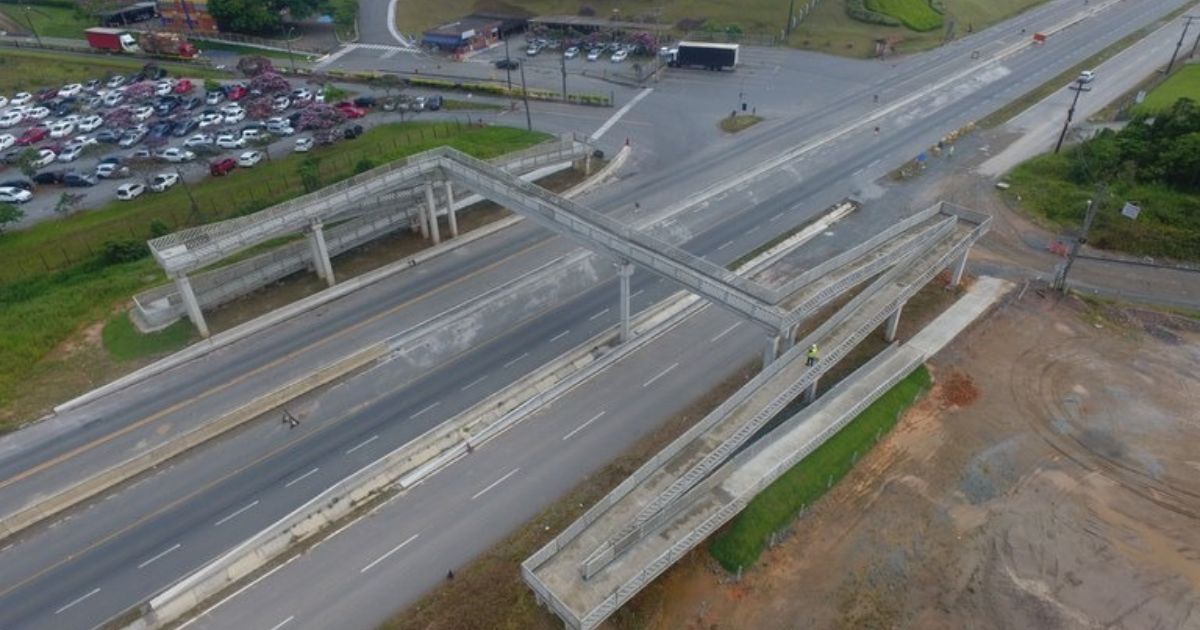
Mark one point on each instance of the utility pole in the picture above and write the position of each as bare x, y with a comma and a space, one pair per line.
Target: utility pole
1195, 44
29, 18
787, 31
1088, 218
507, 63
1078, 88
1187, 22
525, 97
563, 59
291, 57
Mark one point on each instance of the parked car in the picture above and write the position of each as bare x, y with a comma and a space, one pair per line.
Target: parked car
235, 92
222, 166
70, 154
184, 127
210, 119
304, 145
352, 132
112, 99
142, 113
91, 85
281, 128
349, 110
48, 178
70, 89
249, 159
23, 184
230, 141
61, 129
280, 103
620, 55
253, 134
11, 194
192, 102
21, 98
7, 140
33, 135
176, 155
115, 82
214, 97
571, 52
199, 140
301, 94
165, 106
45, 94
183, 86
73, 179
235, 117
37, 113
108, 136
90, 123
364, 102
81, 142
164, 87
133, 136
163, 181
129, 191
594, 54
111, 170
433, 103
11, 119
45, 157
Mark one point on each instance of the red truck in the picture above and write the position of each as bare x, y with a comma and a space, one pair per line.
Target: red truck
157, 44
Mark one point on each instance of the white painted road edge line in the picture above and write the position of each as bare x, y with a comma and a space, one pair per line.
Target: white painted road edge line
236, 593
301, 478
494, 484
660, 374
583, 426
160, 555
239, 511
283, 623
362, 444
620, 112
726, 331
389, 553
80, 599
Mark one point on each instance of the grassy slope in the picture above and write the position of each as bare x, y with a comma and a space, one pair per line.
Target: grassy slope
1184, 83
740, 544
915, 14
1169, 224
50, 21
27, 71
43, 311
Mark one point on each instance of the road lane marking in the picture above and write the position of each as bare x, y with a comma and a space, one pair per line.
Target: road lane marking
597, 315
776, 217
425, 409
660, 375
494, 484
236, 593
620, 112
300, 478
386, 555
726, 331
584, 425
362, 444
283, 623
239, 511
510, 363
560, 335
636, 293
724, 245
473, 383
93, 592
159, 555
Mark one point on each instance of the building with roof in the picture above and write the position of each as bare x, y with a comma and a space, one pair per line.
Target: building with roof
186, 16
467, 34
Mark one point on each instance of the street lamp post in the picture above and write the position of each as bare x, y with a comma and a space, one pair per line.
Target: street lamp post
29, 18
291, 57
507, 63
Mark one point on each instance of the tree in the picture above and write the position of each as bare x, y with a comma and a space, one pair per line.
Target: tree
211, 85
319, 116
245, 16
9, 214
254, 65
345, 12
258, 107
387, 83
310, 172
25, 161
269, 83
119, 118
140, 91
66, 203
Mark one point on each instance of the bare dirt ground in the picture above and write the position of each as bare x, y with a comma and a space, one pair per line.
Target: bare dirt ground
1049, 480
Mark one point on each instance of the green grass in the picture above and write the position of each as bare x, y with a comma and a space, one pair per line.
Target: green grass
740, 544
28, 71
1169, 224
738, 123
124, 342
915, 14
42, 310
246, 51
51, 21
1183, 83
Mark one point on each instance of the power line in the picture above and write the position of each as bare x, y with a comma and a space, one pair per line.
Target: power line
1187, 23
1078, 88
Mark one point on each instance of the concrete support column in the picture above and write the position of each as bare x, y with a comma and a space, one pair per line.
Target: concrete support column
771, 352
625, 271
431, 209
315, 252
191, 304
959, 268
320, 252
810, 394
587, 165
450, 209
893, 323
787, 340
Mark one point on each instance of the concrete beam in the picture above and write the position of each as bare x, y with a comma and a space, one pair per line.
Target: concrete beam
450, 212
318, 236
184, 286
893, 324
959, 268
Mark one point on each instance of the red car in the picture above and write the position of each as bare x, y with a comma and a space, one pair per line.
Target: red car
236, 92
222, 166
349, 110
183, 87
33, 135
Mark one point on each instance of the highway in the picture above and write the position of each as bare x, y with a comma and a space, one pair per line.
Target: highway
122, 549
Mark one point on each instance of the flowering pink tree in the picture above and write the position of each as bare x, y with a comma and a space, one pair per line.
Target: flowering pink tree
139, 91
258, 106
254, 66
320, 116
269, 83
120, 117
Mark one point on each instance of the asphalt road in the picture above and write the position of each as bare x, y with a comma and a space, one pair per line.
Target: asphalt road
722, 228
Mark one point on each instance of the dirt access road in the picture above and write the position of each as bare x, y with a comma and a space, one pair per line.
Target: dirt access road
1049, 480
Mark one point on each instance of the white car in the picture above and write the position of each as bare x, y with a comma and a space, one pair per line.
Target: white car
620, 55
109, 170
3, 101
281, 103
7, 140
116, 82
304, 145
214, 97
163, 181
164, 87
73, 119
131, 190
12, 194
37, 113
594, 54
11, 119
61, 129
70, 154
209, 120
280, 130
230, 141
175, 154
45, 157
143, 113
70, 89
21, 98
252, 134
571, 52
1087, 76
112, 99
199, 140
249, 158
90, 123
234, 118
301, 94
82, 141
230, 108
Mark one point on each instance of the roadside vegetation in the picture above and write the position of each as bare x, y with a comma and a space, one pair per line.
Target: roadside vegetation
734, 124
739, 545
1154, 163
98, 259
1183, 83
918, 15
50, 20
124, 342
27, 71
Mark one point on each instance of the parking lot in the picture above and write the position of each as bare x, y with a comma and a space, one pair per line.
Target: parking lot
118, 137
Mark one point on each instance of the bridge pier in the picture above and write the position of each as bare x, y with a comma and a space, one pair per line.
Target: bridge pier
810, 394
191, 304
771, 352
450, 209
625, 271
431, 211
959, 268
893, 324
320, 252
